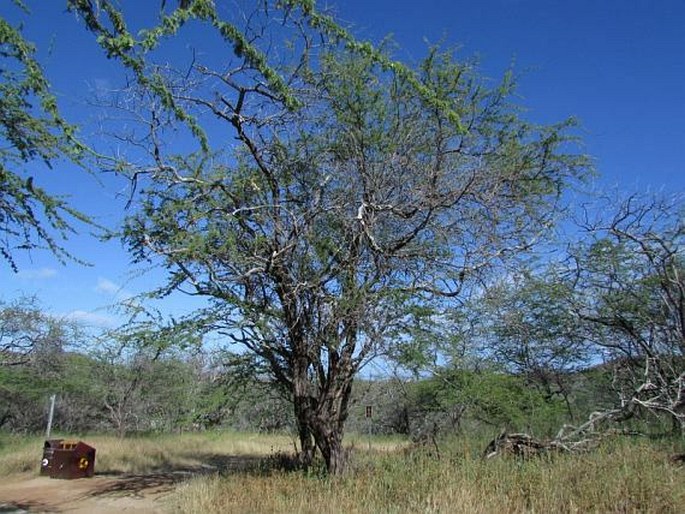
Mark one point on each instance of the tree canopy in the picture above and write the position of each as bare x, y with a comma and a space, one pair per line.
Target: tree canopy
355, 193
34, 136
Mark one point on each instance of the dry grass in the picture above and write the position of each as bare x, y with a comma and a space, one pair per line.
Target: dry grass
19, 454
140, 455
188, 451
619, 478
626, 476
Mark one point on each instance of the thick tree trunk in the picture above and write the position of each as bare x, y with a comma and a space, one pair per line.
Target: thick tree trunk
320, 423
321, 402
307, 446
322, 431
329, 423
302, 402
329, 442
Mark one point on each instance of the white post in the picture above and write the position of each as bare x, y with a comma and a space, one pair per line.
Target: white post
50, 414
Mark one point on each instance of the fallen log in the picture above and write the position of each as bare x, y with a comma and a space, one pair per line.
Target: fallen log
525, 446
521, 445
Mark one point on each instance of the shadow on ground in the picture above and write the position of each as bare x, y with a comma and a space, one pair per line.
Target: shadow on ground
23, 507
167, 478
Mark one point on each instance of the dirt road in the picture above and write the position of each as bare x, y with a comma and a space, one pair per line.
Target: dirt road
100, 494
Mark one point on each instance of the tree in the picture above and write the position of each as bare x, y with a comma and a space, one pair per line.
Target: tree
629, 278
34, 135
527, 327
27, 332
359, 193
144, 392
137, 361
33, 349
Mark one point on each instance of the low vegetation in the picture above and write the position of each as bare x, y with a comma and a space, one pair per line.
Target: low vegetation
617, 478
146, 454
239, 472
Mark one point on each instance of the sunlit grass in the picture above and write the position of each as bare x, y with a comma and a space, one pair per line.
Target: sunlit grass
164, 452
620, 476
616, 478
20, 454
145, 454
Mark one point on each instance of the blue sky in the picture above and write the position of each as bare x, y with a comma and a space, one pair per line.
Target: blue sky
618, 66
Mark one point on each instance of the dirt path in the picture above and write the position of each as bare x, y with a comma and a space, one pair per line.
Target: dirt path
100, 494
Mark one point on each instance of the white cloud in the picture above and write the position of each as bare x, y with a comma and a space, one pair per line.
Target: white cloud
108, 287
92, 318
115, 292
37, 274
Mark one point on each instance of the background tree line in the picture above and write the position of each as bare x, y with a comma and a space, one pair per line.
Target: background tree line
599, 330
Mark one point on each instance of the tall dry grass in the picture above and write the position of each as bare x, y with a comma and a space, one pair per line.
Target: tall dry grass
19, 454
151, 453
632, 477
230, 476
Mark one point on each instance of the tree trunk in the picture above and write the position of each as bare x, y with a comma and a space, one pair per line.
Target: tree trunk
331, 447
328, 423
302, 403
307, 446
320, 424
321, 403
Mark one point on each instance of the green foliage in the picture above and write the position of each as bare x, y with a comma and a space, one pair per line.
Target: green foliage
133, 380
33, 355
34, 133
358, 195
491, 398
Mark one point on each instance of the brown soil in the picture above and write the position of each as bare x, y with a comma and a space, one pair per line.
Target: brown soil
110, 493
100, 494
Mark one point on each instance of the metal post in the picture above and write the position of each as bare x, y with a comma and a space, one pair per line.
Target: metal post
369, 414
50, 415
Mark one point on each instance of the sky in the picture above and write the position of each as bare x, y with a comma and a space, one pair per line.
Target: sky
617, 66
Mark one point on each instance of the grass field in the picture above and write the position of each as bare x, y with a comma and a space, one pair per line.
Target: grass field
239, 473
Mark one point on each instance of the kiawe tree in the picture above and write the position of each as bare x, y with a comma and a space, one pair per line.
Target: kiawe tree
528, 328
26, 331
614, 300
629, 278
333, 196
34, 137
